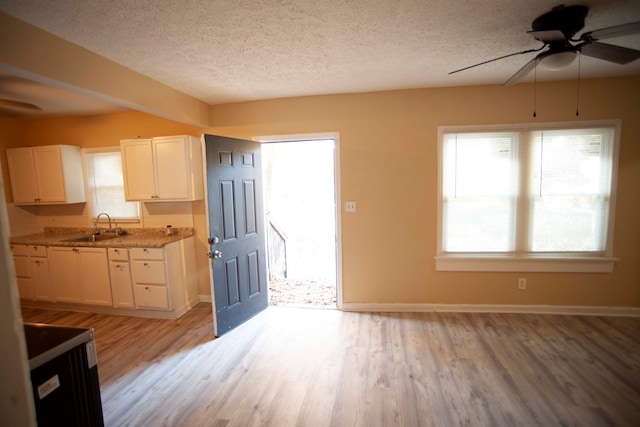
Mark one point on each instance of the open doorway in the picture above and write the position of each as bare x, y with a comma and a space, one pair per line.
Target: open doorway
300, 207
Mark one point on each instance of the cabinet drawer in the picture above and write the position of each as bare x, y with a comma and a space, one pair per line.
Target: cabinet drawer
22, 266
149, 296
147, 253
19, 250
148, 272
37, 251
118, 254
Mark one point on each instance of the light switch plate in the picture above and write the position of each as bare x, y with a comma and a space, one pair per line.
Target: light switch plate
350, 206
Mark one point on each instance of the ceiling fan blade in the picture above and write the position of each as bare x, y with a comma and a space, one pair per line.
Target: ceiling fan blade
522, 72
496, 59
18, 105
608, 52
610, 32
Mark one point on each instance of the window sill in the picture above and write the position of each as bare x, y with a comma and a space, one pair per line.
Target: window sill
558, 264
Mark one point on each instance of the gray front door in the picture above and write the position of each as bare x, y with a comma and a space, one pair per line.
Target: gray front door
236, 222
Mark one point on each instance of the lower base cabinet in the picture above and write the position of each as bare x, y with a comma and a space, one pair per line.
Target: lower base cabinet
149, 270
121, 286
41, 279
80, 275
162, 279
32, 272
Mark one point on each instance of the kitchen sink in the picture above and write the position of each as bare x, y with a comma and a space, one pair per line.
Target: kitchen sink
91, 238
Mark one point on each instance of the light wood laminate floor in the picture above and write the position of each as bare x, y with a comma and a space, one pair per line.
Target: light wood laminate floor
315, 367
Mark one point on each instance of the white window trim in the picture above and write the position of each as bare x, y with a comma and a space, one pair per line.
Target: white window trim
569, 263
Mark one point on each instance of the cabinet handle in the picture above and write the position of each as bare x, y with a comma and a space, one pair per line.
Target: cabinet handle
146, 288
146, 264
145, 250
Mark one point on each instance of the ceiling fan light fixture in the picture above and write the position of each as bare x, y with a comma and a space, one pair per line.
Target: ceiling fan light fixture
559, 60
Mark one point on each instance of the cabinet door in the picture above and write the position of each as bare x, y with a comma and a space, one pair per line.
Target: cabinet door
172, 168
25, 287
121, 285
64, 265
138, 170
94, 276
49, 174
23, 276
22, 175
41, 279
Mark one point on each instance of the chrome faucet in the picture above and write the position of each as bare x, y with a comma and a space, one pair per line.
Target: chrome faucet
98, 219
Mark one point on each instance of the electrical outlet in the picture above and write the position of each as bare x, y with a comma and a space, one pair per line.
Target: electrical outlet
522, 283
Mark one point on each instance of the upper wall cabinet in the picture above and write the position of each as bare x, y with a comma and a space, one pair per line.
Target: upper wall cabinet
50, 174
162, 169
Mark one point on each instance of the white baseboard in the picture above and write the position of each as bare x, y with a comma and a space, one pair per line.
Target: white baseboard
205, 298
155, 314
495, 308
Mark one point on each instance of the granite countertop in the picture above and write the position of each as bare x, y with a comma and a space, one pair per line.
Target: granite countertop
134, 237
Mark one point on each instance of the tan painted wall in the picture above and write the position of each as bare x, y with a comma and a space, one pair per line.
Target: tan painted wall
388, 158
389, 166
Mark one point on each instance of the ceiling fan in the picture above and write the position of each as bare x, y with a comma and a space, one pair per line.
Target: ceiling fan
556, 28
10, 104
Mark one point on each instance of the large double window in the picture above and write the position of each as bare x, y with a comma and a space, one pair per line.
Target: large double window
534, 198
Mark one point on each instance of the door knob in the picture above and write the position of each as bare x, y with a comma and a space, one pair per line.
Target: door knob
217, 254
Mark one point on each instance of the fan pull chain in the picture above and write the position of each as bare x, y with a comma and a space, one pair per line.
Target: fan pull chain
578, 88
535, 81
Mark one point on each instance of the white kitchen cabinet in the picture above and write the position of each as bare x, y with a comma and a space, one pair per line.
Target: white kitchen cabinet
155, 282
38, 257
162, 169
80, 275
23, 271
121, 285
64, 271
148, 270
50, 174
165, 278
32, 272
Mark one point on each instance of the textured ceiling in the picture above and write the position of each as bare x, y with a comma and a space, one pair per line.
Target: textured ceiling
224, 51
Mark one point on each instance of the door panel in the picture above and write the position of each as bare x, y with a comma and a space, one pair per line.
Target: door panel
232, 286
228, 211
236, 219
249, 208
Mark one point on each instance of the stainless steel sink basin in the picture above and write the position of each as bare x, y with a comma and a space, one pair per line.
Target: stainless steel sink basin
91, 238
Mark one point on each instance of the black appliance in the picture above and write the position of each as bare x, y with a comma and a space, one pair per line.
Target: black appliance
64, 375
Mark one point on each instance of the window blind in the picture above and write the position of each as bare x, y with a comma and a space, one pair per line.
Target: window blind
106, 186
570, 188
479, 194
